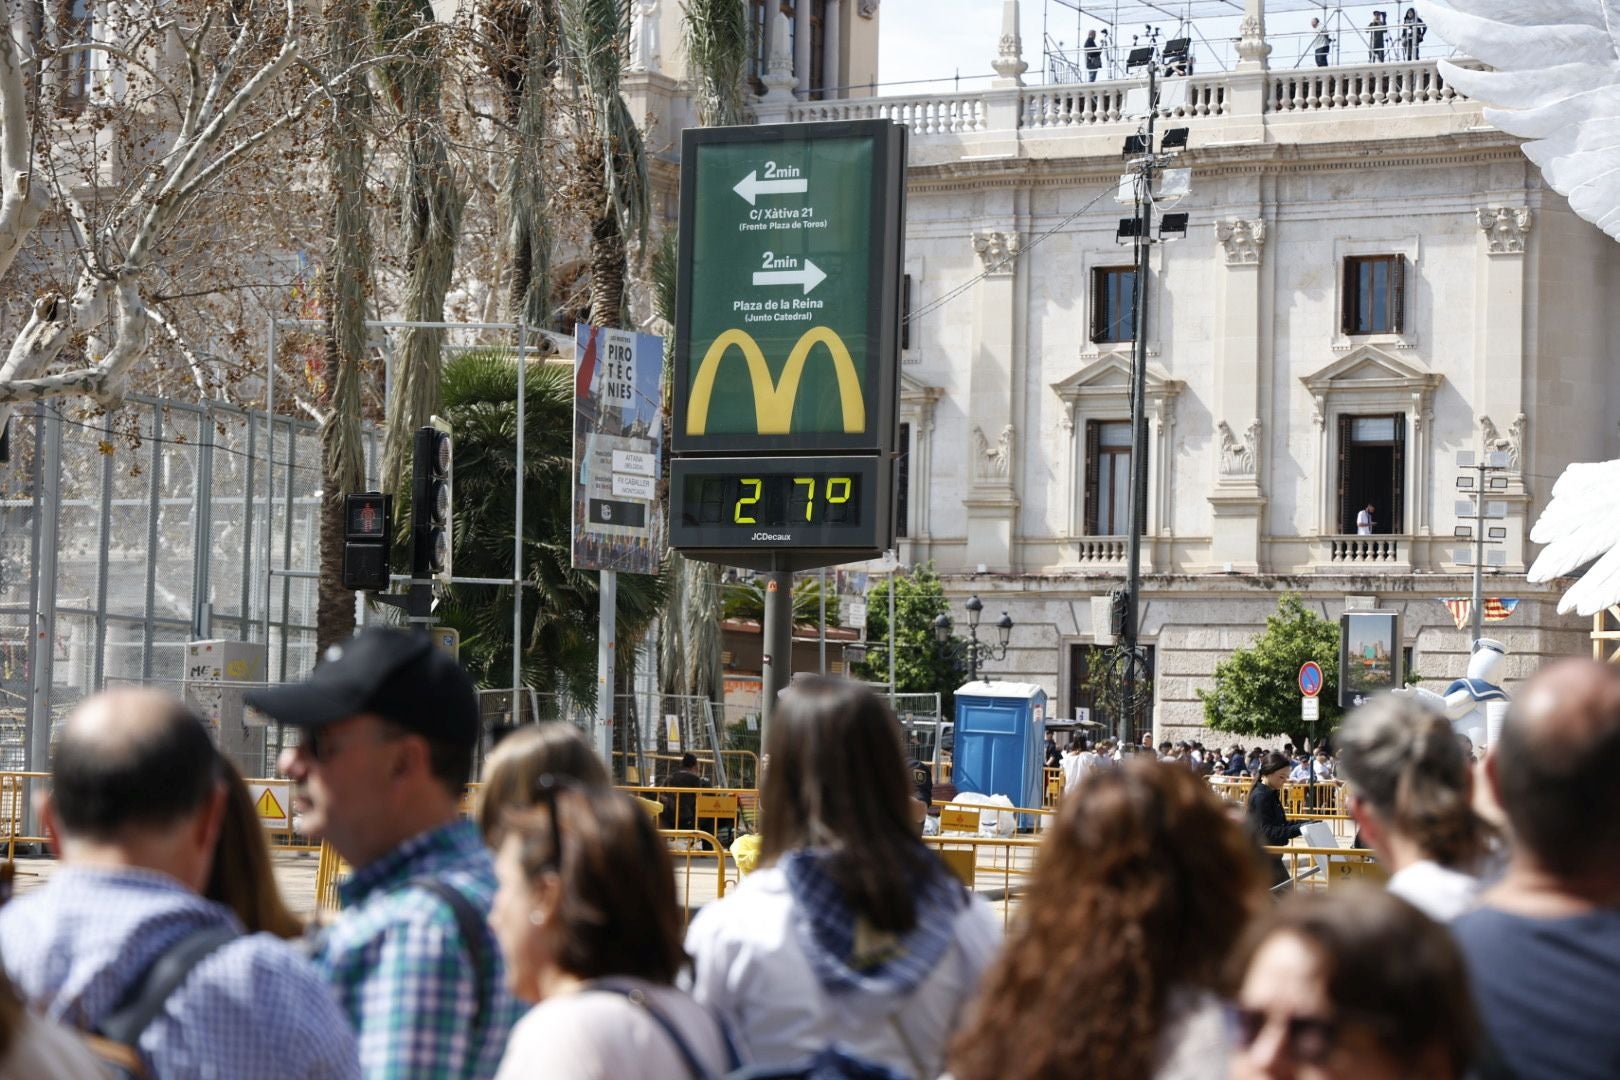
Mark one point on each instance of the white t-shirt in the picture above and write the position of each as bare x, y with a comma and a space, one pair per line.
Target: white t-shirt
1364, 523
748, 966
1438, 891
603, 1035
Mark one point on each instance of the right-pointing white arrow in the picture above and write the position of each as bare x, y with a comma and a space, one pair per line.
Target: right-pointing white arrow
809, 276
751, 187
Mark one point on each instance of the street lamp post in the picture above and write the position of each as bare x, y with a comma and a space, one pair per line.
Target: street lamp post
975, 649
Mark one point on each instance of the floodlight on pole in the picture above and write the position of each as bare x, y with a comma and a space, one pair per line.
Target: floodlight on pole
1174, 139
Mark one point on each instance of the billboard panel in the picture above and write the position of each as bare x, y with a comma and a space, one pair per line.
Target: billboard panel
618, 437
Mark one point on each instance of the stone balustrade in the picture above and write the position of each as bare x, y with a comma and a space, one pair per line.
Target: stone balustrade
1074, 104
1217, 97
1368, 86
1365, 550
942, 114
1099, 550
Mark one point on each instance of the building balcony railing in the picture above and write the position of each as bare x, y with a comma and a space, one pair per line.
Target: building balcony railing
986, 119
1413, 82
1099, 550
1365, 551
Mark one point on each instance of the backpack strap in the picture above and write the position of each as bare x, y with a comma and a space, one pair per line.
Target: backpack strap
470, 926
140, 1005
636, 996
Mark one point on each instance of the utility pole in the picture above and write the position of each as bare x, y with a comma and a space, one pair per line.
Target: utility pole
1487, 477
1137, 518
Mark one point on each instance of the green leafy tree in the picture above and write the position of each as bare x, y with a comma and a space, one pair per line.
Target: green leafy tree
559, 603
921, 665
1257, 688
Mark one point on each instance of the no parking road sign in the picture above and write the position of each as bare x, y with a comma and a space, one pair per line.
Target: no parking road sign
1310, 678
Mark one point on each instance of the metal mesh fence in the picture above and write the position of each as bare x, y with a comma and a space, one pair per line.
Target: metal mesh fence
124, 537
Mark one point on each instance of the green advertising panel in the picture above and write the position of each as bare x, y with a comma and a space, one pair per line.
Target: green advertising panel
787, 313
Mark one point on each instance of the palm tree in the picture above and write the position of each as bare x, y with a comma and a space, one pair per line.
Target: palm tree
747, 601
522, 58
717, 39
596, 34
559, 603
345, 273
430, 206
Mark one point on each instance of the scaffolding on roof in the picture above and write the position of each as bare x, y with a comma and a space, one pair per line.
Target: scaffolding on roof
1210, 28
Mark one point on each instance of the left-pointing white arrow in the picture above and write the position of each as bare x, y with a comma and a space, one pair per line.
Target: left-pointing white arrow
809, 276
751, 187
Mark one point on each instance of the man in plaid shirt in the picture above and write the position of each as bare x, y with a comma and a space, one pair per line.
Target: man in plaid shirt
389, 725
135, 807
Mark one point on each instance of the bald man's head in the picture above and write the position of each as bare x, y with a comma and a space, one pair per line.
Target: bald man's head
1556, 765
131, 758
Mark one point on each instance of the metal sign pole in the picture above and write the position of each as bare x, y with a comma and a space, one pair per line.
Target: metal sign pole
777, 664
606, 629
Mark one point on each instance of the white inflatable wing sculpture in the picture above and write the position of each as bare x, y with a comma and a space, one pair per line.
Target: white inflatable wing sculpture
1580, 524
1556, 82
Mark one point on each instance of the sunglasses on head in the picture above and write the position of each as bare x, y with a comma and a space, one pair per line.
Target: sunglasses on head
544, 793
1310, 1039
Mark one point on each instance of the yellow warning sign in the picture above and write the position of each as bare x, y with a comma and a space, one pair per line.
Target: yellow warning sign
268, 807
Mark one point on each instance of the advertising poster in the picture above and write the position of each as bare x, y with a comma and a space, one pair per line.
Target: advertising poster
1369, 655
618, 439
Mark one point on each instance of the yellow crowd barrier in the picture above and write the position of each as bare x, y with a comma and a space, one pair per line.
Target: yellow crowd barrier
686, 846
692, 807
1323, 868
995, 867
16, 791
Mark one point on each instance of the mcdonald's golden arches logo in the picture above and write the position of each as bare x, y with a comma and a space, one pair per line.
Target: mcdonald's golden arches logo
773, 400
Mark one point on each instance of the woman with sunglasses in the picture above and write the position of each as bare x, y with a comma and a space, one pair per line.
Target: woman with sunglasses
851, 930
1347, 983
587, 921
1140, 891
1411, 794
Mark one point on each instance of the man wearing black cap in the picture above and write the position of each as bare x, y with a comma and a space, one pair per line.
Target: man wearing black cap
389, 726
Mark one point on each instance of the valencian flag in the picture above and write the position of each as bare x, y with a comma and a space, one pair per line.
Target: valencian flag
1497, 608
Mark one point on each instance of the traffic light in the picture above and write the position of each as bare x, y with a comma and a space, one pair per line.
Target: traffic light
431, 502
367, 540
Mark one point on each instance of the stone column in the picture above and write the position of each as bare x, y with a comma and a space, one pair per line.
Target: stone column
778, 76
1246, 89
801, 47
832, 51
992, 505
1236, 499
1499, 359
1003, 100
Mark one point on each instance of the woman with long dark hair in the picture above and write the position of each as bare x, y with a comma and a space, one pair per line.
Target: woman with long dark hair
851, 930
242, 876
1411, 793
1140, 891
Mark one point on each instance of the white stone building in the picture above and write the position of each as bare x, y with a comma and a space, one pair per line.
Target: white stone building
1374, 279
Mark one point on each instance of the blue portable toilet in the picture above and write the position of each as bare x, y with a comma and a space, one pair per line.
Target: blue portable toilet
1000, 736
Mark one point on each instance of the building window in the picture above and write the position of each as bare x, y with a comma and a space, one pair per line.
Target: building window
1094, 685
760, 44
902, 482
905, 312
1374, 295
1113, 303
1108, 477
1372, 472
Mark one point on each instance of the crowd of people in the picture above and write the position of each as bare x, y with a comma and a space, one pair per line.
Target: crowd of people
544, 936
